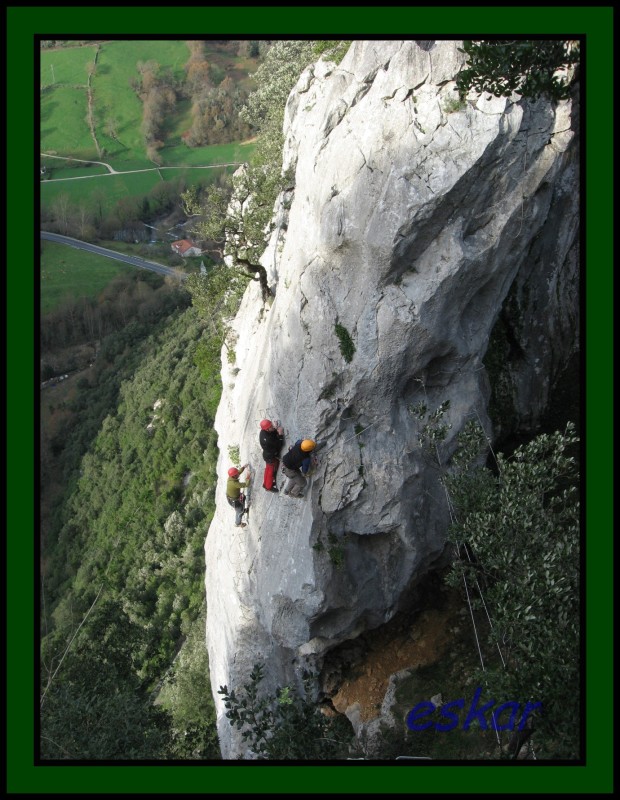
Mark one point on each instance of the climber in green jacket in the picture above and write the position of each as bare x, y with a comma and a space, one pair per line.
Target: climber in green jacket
234, 495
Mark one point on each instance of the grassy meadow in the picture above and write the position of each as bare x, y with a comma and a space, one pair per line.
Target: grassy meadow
65, 131
106, 189
66, 66
113, 95
67, 272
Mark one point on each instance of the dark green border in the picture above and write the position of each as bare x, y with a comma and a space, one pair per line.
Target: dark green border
22, 23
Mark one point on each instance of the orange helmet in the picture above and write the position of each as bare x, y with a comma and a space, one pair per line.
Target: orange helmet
233, 472
266, 424
308, 445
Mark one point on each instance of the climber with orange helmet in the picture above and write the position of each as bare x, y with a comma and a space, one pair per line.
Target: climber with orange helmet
295, 465
234, 494
271, 439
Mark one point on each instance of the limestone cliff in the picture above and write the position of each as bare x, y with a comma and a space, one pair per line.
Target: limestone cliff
408, 224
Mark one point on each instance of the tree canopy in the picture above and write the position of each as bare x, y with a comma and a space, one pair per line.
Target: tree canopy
287, 724
531, 68
517, 528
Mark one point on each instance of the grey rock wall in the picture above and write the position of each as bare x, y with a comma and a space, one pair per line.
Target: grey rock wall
409, 226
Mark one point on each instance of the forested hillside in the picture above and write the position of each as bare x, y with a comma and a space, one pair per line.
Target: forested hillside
124, 583
128, 481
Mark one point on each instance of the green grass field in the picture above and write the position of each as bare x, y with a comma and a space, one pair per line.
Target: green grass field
66, 65
64, 129
67, 272
177, 124
182, 155
114, 96
64, 108
65, 132
106, 190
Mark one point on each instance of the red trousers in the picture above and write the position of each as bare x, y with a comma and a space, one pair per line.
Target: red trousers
269, 478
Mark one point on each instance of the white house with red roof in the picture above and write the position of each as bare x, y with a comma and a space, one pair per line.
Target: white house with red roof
185, 248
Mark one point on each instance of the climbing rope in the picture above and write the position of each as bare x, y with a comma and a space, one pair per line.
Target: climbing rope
454, 520
465, 546
103, 583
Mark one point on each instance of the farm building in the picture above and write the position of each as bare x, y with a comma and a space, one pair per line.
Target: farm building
185, 247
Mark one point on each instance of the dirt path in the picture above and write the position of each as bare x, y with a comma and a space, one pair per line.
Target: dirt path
113, 171
82, 161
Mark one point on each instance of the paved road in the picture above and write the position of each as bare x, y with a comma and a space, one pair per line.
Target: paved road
134, 261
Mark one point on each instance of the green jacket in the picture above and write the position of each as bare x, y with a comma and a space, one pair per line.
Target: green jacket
234, 487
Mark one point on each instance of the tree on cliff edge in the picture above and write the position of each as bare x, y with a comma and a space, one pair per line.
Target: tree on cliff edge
235, 217
532, 68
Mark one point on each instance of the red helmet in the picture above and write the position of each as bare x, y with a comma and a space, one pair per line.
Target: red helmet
266, 424
233, 472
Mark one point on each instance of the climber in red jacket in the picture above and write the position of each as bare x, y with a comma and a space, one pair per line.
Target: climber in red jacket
271, 439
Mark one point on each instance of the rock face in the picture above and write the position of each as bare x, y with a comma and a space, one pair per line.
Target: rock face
409, 225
